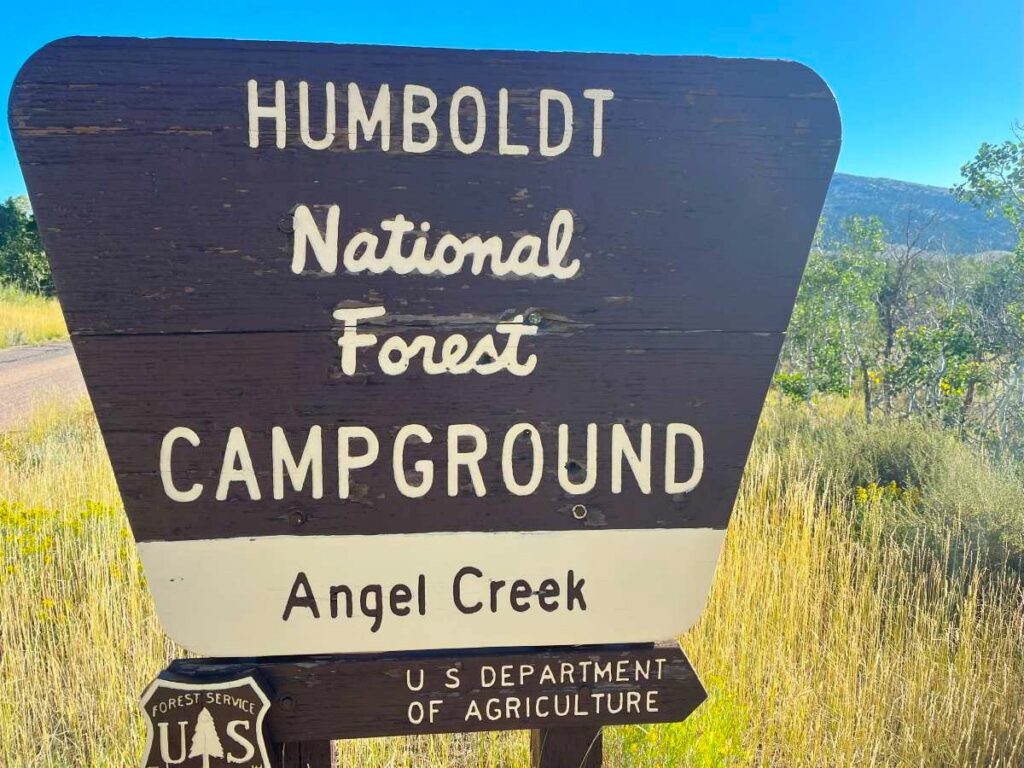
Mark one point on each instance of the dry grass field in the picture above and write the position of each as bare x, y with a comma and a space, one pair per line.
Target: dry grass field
28, 319
855, 620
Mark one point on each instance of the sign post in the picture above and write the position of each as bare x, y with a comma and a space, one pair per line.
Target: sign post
402, 350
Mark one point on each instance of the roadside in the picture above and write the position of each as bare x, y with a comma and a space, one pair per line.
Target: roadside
32, 375
27, 318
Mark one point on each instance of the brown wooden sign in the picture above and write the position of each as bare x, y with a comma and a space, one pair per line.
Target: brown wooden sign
410, 348
324, 698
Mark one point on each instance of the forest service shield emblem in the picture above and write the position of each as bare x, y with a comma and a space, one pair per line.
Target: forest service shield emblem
205, 725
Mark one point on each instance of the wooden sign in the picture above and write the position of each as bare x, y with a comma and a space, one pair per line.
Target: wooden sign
411, 348
190, 724
325, 698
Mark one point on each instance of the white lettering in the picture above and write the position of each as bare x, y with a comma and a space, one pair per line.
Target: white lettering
166, 476
548, 95
565, 464
275, 112
424, 467
469, 459
312, 460
449, 255
411, 117
351, 340
504, 147
237, 467
241, 740
347, 461
639, 464
467, 92
330, 117
599, 96
537, 453
685, 486
379, 118
370, 126
306, 232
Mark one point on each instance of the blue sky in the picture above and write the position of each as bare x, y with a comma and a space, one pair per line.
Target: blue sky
920, 84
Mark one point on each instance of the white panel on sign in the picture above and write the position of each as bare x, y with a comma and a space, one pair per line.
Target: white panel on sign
311, 594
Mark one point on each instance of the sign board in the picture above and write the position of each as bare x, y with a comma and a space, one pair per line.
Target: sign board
565, 695
397, 349
325, 698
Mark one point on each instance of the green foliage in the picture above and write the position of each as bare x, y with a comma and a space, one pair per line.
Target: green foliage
711, 737
793, 384
915, 476
918, 334
23, 263
835, 320
994, 180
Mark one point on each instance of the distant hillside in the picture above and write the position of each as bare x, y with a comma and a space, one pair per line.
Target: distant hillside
957, 227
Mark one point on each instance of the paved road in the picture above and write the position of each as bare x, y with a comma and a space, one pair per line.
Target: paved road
30, 376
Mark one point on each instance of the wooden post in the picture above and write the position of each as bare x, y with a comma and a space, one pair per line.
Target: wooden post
549, 748
565, 748
306, 754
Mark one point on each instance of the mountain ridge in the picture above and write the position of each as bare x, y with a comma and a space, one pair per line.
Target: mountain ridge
943, 222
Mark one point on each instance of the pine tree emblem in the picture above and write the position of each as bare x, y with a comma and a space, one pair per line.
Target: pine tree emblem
205, 741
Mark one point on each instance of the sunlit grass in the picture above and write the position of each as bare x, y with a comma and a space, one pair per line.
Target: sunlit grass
829, 639
830, 642
28, 319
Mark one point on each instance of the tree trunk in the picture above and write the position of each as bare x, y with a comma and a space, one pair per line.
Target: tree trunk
867, 390
968, 399
890, 343
809, 362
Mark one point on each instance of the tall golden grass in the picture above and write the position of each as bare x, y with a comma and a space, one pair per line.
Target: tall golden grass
828, 641
28, 319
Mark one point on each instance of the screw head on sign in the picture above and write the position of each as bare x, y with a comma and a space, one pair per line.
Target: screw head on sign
579, 511
534, 318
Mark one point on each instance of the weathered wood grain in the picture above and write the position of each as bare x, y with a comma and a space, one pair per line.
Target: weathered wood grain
566, 748
170, 240
307, 754
145, 385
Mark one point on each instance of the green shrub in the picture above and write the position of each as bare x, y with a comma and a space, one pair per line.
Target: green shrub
793, 385
922, 479
23, 263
